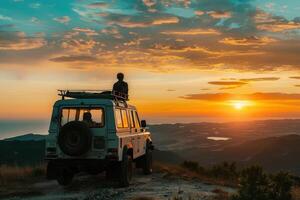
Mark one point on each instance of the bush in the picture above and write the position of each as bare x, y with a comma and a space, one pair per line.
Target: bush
281, 186
225, 170
255, 184
191, 165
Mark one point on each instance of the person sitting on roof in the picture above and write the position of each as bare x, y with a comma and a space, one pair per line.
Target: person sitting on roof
121, 87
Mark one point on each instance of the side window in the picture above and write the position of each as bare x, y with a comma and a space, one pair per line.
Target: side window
131, 119
124, 118
136, 120
119, 118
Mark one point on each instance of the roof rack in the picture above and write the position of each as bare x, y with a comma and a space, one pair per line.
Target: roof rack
93, 94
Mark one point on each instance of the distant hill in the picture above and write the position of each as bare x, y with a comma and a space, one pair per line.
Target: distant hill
274, 144
22, 152
27, 137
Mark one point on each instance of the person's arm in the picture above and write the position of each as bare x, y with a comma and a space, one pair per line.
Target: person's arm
114, 87
126, 88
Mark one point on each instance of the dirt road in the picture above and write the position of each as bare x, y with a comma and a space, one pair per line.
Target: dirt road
155, 186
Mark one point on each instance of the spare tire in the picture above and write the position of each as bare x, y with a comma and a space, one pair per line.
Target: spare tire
75, 138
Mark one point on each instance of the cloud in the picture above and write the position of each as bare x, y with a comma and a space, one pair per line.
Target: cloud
35, 5
294, 77
219, 14
128, 22
260, 79
196, 31
199, 12
18, 41
279, 26
98, 5
87, 31
79, 46
229, 83
5, 18
63, 19
74, 58
254, 96
249, 41
165, 20
267, 22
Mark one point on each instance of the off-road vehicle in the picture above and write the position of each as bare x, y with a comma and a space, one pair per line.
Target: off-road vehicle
94, 132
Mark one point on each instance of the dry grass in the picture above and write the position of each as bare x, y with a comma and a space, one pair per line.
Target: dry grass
178, 171
13, 174
18, 180
296, 193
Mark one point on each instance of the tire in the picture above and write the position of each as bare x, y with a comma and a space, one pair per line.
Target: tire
51, 171
112, 171
75, 138
125, 175
147, 161
65, 176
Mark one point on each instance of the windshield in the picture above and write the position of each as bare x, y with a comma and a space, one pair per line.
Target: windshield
93, 117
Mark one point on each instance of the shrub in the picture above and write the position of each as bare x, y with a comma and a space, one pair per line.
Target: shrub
191, 165
281, 186
225, 170
255, 184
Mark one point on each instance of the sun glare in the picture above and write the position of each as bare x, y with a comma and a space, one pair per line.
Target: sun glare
239, 105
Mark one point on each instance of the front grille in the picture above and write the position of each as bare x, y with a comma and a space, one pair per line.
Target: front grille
99, 142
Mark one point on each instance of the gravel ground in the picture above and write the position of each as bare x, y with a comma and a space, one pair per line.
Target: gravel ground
155, 186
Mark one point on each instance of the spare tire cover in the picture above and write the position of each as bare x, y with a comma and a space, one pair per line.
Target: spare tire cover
75, 138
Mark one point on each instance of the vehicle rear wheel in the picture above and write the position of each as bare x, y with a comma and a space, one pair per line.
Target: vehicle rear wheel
65, 176
51, 170
147, 161
125, 175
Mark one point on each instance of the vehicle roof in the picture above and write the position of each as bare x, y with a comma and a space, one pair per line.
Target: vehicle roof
86, 102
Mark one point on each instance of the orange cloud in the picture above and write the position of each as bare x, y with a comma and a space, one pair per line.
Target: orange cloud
254, 96
260, 79
98, 5
166, 20
249, 41
230, 83
279, 26
126, 22
19, 41
198, 31
87, 31
219, 14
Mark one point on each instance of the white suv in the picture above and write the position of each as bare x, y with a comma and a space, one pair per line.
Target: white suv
95, 132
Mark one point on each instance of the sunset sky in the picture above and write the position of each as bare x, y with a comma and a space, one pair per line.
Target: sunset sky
184, 60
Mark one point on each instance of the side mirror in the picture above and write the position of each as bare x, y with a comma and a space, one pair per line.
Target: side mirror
143, 123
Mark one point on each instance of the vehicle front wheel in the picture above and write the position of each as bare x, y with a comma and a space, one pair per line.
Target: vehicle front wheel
147, 161
65, 176
125, 171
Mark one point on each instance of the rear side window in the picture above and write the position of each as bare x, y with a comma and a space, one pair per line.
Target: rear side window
136, 120
119, 118
131, 119
124, 118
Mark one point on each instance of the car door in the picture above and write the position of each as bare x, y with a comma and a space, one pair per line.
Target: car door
137, 125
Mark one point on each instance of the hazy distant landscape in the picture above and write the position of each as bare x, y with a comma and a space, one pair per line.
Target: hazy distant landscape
274, 144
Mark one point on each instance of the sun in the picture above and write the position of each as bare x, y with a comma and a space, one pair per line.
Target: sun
239, 104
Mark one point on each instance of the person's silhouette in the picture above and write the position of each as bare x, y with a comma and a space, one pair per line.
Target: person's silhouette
120, 87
